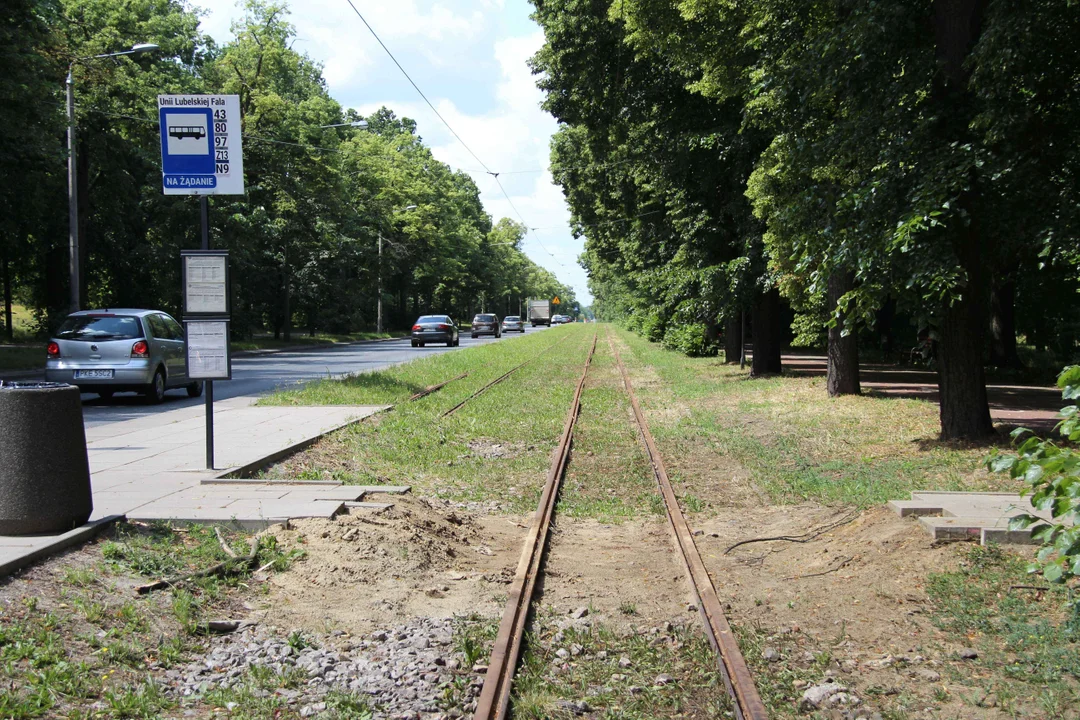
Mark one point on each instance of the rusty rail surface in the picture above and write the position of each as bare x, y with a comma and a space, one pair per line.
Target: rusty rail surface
435, 388
502, 377
737, 677
495, 697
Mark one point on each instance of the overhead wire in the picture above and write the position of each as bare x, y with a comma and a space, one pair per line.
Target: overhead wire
465, 145
415, 86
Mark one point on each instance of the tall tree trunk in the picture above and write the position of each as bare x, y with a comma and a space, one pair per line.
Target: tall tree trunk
712, 334
1003, 326
767, 334
733, 339
843, 373
9, 329
883, 323
286, 309
965, 412
56, 284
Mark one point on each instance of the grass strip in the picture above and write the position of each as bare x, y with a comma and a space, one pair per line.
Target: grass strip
1028, 642
496, 448
81, 644
609, 477
793, 441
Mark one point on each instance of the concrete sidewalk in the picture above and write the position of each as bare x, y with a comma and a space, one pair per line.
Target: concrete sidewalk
153, 468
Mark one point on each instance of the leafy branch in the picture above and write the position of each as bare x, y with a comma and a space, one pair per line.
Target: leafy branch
1052, 473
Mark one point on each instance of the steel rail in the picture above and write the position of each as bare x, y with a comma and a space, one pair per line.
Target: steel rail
737, 677
435, 388
499, 379
494, 699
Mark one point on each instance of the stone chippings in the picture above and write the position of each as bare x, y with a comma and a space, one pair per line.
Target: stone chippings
403, 671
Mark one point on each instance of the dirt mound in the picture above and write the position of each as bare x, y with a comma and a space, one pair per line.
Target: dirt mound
420, 558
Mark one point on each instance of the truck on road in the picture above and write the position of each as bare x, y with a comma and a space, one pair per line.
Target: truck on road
539, 312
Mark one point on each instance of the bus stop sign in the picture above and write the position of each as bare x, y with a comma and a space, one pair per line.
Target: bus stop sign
200, 145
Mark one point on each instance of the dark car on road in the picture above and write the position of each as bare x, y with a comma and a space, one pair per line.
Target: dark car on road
512, 323
435, 329
109, 351
486, 324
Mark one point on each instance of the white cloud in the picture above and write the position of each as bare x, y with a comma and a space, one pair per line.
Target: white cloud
478, 79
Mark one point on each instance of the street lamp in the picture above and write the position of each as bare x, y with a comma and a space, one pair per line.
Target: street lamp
378, 310
362, 124
73, 195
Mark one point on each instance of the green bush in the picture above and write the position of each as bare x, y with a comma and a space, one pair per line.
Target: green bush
649, 324
1052, 473
689, 339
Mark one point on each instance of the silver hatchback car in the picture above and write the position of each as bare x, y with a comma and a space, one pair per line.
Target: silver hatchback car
109, 351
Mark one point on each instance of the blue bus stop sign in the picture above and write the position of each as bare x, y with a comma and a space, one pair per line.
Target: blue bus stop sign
201, 149
187, 149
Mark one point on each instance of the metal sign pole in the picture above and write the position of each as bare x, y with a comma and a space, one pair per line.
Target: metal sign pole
201, 154
204, 206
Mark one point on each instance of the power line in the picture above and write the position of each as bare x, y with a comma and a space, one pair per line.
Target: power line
528, 230
451, 129
416, 87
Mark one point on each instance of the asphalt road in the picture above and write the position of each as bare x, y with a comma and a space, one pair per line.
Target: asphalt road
261, 374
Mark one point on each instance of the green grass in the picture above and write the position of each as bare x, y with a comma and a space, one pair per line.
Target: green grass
414, 445
23, 320
595, 675
794, 442
85, 646
1028, 643
609, 477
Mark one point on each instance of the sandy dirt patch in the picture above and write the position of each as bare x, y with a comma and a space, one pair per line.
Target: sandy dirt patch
421, 558
627, 573
856, 592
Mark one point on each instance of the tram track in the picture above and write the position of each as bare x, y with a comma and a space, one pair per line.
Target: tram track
501, 378
494, 701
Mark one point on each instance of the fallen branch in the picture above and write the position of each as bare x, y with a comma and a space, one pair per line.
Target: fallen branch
804, 538
232, 565
843, 562
1040, 588
224, 545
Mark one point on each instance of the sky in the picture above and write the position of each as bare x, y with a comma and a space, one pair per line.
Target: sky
469, 58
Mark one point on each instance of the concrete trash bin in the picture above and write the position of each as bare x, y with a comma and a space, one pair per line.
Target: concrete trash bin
44, 470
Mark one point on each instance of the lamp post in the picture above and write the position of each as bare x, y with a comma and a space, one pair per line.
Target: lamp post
73, 178
378, 306
362, 124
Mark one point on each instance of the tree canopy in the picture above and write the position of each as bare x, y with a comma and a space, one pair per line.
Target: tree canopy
304, 239
890, 159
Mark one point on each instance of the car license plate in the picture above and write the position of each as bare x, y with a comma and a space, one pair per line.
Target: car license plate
93, 374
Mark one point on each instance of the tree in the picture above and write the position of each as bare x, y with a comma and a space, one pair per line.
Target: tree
654, 176
910, 151
29, 85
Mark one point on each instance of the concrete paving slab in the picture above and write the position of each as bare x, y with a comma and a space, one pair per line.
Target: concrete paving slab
260, 481
18, 555
964, 515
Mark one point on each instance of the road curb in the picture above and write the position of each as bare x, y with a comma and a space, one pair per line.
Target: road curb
62, 542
